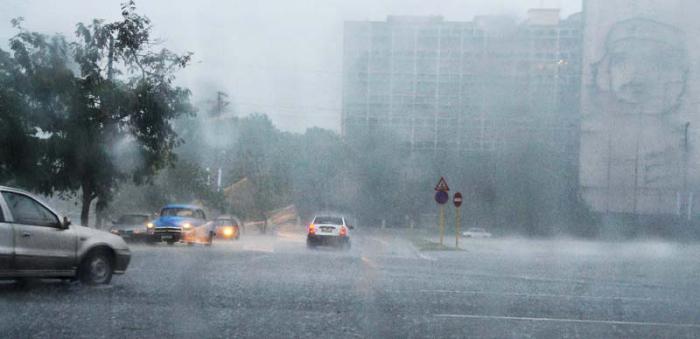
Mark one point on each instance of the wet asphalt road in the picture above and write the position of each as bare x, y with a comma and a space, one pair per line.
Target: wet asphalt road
272, 286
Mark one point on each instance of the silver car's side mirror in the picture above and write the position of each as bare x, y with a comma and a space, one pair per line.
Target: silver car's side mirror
65, 223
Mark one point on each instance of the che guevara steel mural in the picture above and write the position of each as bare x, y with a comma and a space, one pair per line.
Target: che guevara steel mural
634, 146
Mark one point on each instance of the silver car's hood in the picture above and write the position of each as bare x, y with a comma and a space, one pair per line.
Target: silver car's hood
99, 236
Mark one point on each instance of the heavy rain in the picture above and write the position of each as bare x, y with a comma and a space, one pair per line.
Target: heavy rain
343, 169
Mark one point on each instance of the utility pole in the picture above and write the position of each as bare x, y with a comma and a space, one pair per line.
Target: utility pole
221, 104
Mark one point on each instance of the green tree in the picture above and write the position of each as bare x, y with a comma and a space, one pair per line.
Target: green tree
261, 155
109, 121
321, 172
184, 182
16, 132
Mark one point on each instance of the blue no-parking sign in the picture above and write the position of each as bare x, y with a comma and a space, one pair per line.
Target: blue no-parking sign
441, 197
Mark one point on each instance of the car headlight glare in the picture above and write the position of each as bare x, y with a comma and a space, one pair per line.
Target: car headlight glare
186, 225
150, 225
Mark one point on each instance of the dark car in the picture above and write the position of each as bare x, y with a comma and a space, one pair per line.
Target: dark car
132, 227
227, 227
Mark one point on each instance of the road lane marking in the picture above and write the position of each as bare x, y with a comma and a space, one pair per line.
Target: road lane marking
291, 236
565, 320
259, 248
424, 257
256, 258
555, 280
384, 242
565, 296
369, 262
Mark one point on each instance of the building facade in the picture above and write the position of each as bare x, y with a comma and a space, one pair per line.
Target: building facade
479, 86
640, 120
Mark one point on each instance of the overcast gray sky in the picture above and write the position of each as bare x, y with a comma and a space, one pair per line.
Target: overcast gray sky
281, 57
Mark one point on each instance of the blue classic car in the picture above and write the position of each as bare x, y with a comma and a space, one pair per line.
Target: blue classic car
180, 223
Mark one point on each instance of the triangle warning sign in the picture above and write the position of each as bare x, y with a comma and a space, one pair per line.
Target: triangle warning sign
442, 185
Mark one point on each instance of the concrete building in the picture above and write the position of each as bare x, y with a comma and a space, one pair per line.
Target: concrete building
478, 87
640, 104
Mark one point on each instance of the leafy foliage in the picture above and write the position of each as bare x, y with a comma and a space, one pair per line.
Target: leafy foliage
99, 108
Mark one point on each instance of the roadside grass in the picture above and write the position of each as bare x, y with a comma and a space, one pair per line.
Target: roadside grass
426, 245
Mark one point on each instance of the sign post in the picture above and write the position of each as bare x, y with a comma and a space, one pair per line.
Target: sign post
442, 224
458, 218
441, 197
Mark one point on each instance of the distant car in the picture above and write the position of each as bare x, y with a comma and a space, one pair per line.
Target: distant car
37, 242
131, 227
185, 223
328, 230
476, 232
227, 227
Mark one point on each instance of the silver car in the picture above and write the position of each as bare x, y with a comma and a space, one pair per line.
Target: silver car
331, 230
36, 242
476, 232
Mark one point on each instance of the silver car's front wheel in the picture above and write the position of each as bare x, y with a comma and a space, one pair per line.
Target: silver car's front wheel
96, 269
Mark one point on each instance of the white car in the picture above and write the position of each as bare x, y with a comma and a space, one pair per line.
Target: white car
476, 232
328, 230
